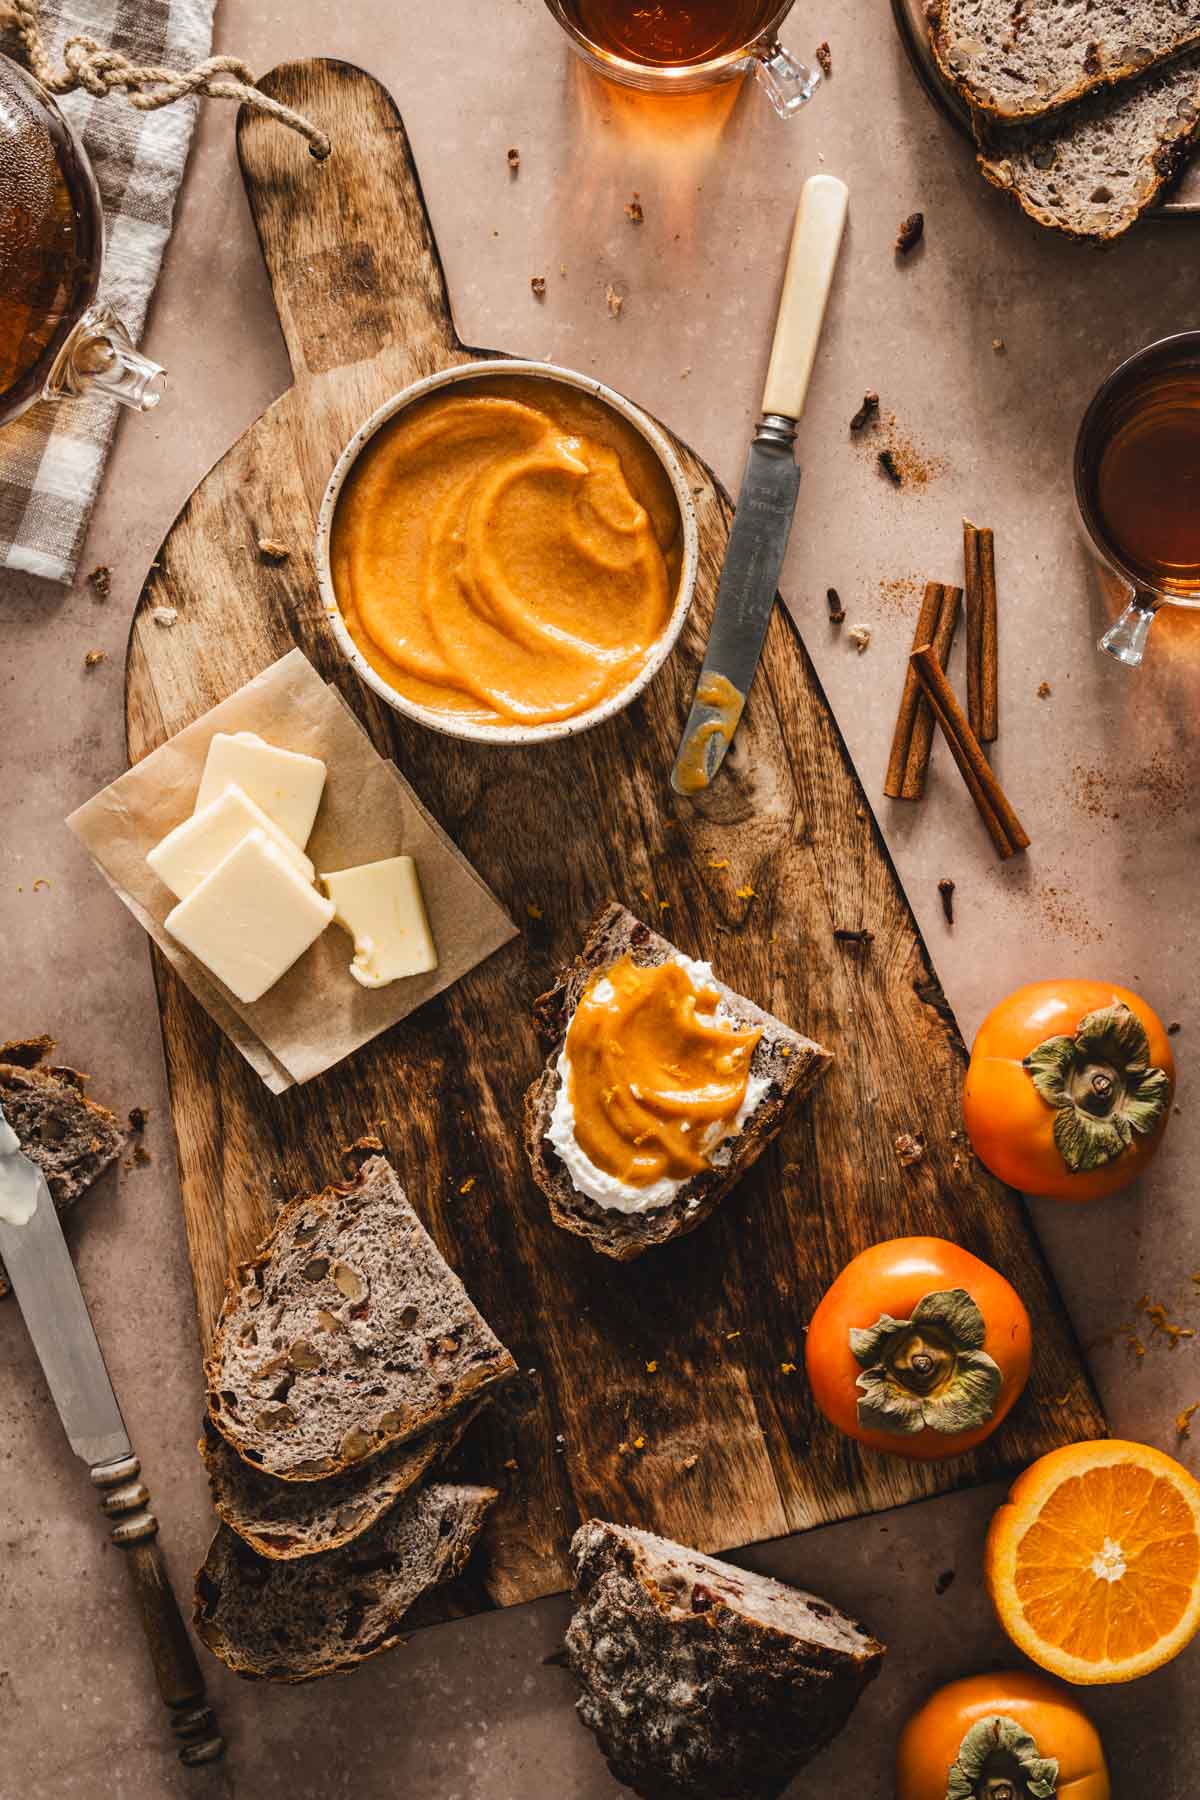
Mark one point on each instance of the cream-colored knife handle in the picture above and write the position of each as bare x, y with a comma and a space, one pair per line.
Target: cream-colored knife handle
816, 239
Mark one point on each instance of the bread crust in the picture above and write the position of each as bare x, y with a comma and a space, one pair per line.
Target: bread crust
702, 1681
613, 933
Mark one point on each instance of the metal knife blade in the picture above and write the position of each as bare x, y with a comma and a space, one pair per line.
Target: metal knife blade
56, 1316
745, 597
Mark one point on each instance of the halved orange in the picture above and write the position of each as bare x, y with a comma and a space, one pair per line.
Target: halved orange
1093, 1561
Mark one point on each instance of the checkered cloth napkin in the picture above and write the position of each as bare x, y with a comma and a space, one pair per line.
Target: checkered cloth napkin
52, 458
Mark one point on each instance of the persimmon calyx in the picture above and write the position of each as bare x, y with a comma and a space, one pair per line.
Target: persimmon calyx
998, 1760
927, 1372
1102, 1086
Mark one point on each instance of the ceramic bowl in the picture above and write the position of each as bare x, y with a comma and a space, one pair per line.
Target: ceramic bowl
468, 728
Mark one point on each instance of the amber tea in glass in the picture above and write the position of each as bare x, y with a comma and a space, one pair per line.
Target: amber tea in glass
1137, 480
55, 340
684, 46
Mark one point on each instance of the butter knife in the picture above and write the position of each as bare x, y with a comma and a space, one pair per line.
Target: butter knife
763, 521
56, 1316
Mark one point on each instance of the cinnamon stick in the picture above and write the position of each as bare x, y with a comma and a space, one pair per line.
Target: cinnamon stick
979, 561
1006, 830
912, 740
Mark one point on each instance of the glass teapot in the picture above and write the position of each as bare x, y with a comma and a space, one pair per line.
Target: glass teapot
56, 342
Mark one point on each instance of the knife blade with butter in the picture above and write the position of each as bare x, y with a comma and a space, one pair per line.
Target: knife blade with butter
56, 1316
763, 521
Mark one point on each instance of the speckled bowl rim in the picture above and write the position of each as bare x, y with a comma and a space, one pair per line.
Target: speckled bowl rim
470, 729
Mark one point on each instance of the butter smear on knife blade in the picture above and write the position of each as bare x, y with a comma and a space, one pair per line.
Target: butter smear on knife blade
18, 1179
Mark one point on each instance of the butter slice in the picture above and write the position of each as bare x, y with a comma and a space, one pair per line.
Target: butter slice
380, 905
193, 850
285, 783
251, 919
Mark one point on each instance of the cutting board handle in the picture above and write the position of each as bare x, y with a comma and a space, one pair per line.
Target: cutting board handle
347, 241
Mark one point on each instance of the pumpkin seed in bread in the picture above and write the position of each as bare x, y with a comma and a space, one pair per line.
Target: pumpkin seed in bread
785, 1062
346, 1334
72, 1139
288, 1519
297, 1621
702, 1681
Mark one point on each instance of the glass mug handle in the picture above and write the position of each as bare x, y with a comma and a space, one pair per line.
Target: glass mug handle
789, 84
1126, 640
99, 356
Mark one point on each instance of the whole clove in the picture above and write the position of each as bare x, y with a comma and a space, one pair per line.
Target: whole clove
867, 411
833, 601
847, 934
514, 159
910, 233
891, 468
946, 890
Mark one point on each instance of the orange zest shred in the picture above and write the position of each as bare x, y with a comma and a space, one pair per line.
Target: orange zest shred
639, 1442
718, 862
787, 1368
468, 1184
652, 1368
535, 912
746, 892
1160, 1321
1183, 1423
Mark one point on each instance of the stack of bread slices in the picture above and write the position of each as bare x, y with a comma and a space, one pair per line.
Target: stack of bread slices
348, 1359
1085, 111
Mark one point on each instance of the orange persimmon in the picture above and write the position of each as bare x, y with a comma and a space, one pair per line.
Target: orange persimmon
918, 1349
1069, 1088
993, 1727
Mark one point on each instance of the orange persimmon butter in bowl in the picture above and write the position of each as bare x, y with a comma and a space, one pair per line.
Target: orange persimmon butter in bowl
507, 551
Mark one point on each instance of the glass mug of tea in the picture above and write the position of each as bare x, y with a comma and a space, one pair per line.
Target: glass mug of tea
55, 341
684, 46
1137, 484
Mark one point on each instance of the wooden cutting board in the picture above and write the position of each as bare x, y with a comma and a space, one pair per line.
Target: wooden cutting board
670, 1391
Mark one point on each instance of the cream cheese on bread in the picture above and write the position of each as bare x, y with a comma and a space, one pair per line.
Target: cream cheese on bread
608, 1190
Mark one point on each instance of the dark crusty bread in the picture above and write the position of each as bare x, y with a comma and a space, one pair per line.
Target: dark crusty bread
793, 1064
296, 1621
289, 1519
1093, 170
347, 1333
702, 1681
72, 1139
1023, 59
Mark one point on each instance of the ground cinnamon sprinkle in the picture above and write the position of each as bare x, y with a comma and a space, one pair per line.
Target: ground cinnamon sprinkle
1158, 786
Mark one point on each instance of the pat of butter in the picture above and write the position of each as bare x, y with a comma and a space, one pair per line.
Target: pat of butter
285, 783
193, 850
251, 919
380, 905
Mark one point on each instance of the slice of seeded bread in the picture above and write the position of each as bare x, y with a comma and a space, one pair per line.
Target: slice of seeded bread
1023, 59
72, 1139
347, 1333
288, 1519
1095, 169
793, 1063
703, 1681
296, 1621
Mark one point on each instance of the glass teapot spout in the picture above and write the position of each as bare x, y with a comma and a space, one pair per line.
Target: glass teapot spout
1126, 640
99, 357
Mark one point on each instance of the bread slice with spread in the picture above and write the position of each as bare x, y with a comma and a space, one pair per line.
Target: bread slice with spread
702, 1681
348, 1333
297, 1621
662, 1088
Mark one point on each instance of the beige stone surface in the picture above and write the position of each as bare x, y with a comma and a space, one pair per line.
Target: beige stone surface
1101, 770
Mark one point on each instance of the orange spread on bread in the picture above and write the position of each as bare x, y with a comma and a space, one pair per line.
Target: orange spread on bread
656, 1078
506, 552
